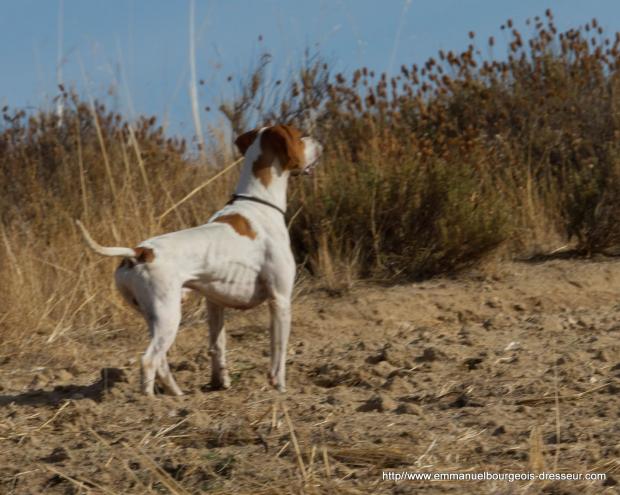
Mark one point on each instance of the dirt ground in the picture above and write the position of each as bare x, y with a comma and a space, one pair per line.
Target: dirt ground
515, 369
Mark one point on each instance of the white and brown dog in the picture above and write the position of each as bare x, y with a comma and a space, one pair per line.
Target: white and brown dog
239, 259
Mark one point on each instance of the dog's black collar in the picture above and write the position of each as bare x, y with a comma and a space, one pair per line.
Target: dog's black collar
235, 197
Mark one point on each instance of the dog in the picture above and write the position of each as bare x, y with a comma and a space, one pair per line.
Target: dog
240, 258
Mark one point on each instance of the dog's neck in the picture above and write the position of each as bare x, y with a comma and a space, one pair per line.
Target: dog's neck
259, 179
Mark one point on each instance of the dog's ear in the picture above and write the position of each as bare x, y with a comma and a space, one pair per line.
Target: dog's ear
285, 141
246, 139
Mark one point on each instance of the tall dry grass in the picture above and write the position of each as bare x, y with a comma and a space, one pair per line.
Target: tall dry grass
118, 178
423, 173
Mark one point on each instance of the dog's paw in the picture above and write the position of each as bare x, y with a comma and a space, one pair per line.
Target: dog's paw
273, 381
222, 382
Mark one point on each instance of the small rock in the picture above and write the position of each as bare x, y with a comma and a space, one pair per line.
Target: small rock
383, 369
513, 346
380, 403
59, 454
428, 355
507, 360
463, 400
382, 355
323, 369
472, 363
331, 400
407, 409
500, 430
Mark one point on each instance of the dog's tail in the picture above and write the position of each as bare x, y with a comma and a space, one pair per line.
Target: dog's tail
106, 251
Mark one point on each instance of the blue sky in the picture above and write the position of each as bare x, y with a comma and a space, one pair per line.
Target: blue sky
139, 48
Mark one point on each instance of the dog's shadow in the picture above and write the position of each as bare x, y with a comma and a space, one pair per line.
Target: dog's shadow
95, 391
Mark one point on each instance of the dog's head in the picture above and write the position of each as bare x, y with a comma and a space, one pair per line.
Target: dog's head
284, 143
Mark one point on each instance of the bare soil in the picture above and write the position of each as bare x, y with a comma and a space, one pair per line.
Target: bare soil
513, 369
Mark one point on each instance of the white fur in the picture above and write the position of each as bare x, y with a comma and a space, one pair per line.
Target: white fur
231, 270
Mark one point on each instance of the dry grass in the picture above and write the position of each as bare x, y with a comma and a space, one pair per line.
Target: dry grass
119, 178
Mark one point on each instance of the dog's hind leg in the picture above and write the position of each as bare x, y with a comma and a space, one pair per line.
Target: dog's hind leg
217, 346
166, 378
163, 322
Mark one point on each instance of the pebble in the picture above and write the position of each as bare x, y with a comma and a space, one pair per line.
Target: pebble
513, 346
380, 403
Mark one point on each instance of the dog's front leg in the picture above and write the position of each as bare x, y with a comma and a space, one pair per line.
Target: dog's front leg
217, 346
280, 329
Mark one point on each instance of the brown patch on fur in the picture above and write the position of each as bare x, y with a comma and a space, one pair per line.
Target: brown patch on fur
239, 223
261, 168
244, 141
144, 255
285, 143
279, 141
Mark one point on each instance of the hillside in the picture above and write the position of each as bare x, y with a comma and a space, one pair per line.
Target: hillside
510, 369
